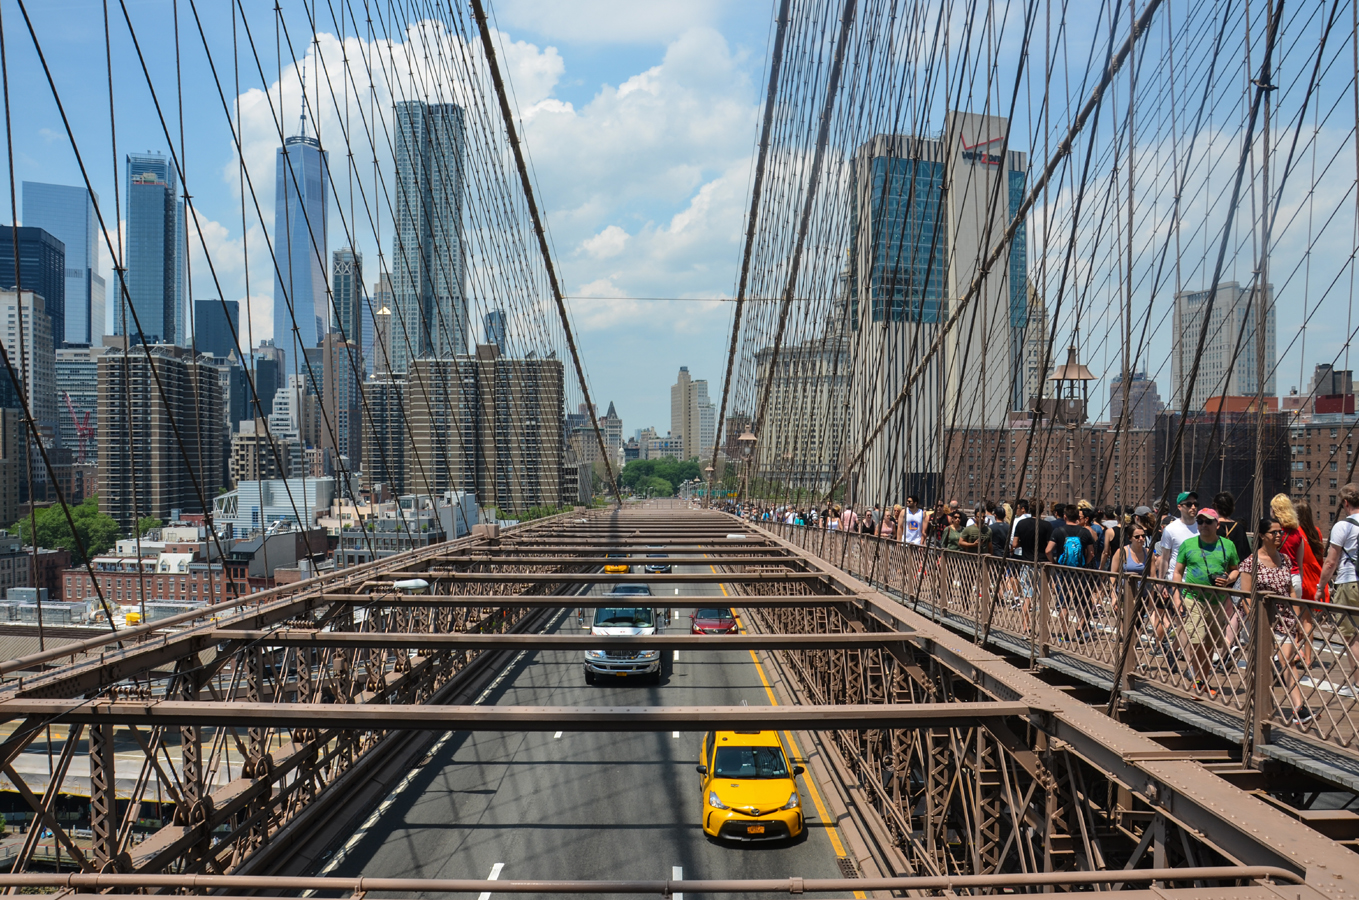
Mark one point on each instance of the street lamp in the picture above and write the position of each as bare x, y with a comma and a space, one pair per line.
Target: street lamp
747, 442
708, 500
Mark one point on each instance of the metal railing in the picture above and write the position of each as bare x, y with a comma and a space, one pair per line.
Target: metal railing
1290, 666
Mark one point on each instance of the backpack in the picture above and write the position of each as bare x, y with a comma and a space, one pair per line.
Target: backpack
1353, 560
1073, 554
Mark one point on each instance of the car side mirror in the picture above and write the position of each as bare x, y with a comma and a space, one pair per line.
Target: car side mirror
702, 770
798, 770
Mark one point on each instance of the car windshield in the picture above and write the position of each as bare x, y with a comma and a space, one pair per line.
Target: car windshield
750, 762
658, 556
632, 617
723, 615
630, 590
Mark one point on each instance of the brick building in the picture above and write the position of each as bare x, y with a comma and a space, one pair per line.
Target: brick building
1062, 464
169, 576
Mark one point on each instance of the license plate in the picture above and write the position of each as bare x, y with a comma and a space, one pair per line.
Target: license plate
754, 829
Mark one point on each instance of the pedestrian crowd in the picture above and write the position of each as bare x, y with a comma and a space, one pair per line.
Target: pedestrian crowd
1190, 554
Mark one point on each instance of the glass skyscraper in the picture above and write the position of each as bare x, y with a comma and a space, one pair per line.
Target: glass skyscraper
346, 285
67, 213
428, 256
42, 270
155, 256
300, 207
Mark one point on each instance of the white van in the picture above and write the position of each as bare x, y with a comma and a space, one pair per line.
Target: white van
624, 619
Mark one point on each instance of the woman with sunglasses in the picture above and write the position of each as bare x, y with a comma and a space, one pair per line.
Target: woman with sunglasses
1275, 578
1131, 558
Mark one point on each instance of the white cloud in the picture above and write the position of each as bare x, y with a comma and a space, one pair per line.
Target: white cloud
608, 243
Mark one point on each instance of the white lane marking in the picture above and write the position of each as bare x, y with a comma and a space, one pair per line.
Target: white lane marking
676, 656
677, 874
557, 735
373, 817
495, 876
674, 734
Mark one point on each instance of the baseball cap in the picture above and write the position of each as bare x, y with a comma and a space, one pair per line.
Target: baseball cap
1187, 495
1209, 513
1142, 511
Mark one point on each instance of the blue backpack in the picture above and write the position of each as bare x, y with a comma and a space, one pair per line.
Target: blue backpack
1073, 554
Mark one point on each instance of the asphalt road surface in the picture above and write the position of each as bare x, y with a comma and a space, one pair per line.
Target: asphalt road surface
592, 806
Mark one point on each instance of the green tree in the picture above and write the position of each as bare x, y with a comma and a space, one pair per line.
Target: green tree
670, 471
146, 523
97, 531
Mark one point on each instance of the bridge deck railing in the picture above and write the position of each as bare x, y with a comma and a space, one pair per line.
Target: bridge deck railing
1287, 668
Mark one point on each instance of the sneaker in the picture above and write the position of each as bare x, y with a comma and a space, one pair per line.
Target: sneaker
1302, 716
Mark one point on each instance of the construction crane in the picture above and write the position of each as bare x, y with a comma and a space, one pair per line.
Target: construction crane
84, 431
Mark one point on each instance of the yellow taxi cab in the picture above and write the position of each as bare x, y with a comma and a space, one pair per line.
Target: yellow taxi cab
616, 568
749, 792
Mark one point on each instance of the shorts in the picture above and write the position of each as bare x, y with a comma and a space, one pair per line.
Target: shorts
1204, 620
1346, 594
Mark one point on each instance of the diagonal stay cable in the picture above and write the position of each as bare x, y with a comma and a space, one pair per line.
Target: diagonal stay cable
480, 12
775, 66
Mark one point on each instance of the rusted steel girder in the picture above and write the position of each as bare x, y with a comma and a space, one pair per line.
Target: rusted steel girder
425, 641
514, 718
603, 578
587, 601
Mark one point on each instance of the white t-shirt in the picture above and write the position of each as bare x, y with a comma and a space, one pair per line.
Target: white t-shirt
1345, 535
913, 521
1175, 534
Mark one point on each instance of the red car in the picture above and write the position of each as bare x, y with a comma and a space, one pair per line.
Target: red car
712, 621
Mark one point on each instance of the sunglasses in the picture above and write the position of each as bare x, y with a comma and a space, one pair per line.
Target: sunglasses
1193, 503
1139, 537
1204, 520
1275, 532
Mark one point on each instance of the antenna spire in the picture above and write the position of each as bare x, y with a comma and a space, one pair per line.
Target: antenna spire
303, 115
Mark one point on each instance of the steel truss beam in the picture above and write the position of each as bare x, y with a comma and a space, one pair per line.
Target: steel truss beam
512, 718
406, 640
1173, 786
593, 601
602, 578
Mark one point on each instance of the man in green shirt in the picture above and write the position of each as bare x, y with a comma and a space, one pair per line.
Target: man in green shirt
1211, 562
972, 534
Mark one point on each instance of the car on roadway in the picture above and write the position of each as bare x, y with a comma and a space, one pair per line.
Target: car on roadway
626, 617
749, 789
616, 568
654, 568
712, 620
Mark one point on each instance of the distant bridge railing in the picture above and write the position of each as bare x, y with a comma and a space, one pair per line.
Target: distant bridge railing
1288, 669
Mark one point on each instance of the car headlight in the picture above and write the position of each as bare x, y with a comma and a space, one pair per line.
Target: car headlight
714, 801
595, 654
792, 801
650, 654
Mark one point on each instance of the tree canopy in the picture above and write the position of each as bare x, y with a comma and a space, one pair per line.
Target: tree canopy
660, 477
98, 532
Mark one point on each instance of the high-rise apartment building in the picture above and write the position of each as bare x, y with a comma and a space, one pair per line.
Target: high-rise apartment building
67, 213
810, 387
1037, 360
693, 418
155, 259
1222, 371
346, 286
144, 468
384, 434
341, 401
257, 455
217, 327
382, 341
36, 361
612, 427
487, 424
42, 269
428, 258
301, 189
922, 220
1144, 402
77, 378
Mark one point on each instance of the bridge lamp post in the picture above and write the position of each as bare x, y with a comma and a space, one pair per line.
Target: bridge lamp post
747, 442
708, 498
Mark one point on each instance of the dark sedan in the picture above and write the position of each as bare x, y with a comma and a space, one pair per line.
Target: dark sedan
657, 567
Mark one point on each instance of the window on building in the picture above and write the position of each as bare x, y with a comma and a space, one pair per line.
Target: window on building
1333, 466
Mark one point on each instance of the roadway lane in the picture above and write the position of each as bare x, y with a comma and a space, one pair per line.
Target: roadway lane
584, 805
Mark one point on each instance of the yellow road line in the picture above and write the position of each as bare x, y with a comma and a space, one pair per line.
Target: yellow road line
832, 829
